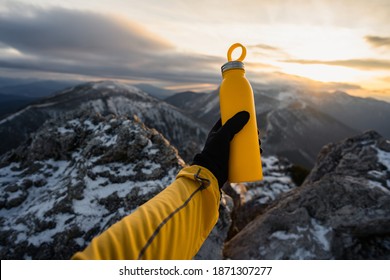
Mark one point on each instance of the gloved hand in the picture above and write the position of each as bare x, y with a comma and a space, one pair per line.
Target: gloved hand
215, 154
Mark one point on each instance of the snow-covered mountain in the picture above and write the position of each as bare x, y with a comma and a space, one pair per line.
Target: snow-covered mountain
296, 123
106, 97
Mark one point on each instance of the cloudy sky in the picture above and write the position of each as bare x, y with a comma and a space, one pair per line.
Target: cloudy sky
182, 44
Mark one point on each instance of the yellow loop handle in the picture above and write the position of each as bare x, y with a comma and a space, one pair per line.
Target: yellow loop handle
232, 48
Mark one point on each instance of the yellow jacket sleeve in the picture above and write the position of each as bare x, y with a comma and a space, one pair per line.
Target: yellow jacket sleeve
172, 225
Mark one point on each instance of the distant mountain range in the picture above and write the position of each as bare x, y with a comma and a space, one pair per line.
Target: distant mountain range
104, 98
296, 123
158, 92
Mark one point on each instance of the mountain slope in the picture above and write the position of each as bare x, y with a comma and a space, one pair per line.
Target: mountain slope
359, 113
11, 103
298, 132
157, 92
34, 89
106, 98
204, 106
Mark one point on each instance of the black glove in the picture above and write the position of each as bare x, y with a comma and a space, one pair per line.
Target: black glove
215, 154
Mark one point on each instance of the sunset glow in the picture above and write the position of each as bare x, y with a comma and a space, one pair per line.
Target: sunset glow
182, 44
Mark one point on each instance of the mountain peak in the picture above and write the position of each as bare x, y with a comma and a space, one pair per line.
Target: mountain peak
114, 85
105, 88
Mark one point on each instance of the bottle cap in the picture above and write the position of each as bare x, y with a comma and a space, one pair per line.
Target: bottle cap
234, 64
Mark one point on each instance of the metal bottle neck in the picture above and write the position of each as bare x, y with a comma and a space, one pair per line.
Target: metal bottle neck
232, 65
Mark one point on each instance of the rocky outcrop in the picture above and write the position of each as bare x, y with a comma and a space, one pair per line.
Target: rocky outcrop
342, 211
251, 199
74, 178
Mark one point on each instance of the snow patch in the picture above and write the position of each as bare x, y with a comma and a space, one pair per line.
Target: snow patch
376, 185
379, 178
63, 130
211, 105
283, 235
319, 232
383, 157
153, 151
108, 140
302, 254
276, 181
295, 238
116, 86
89, 125
150, 167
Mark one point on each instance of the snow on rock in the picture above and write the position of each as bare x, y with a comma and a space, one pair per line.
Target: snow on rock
314, 233
276, 180
252, 198
366, 156
116, 86
74, 178
342, 211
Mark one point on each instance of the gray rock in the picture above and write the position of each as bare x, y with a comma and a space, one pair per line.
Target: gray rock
342, 211
212, 248
251, 199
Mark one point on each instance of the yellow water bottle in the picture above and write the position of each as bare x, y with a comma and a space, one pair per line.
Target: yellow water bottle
235, 95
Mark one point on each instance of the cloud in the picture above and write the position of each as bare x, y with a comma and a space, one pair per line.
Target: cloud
263, 47
340, 86
362, 64
258, 65
385, 79
268, 51
68, 32
377, 41
78, 42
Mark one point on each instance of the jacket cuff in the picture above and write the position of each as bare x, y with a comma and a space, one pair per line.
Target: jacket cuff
200, 174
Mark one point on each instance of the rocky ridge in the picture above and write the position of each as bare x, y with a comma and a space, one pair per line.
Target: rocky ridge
341, 211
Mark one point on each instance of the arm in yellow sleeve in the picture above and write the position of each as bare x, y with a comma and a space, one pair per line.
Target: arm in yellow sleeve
172, 225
